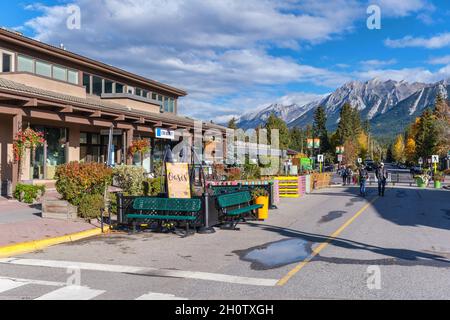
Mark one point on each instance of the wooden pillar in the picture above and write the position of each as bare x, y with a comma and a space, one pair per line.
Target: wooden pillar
17, 125
130, 134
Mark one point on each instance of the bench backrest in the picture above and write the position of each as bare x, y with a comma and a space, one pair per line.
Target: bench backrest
163, 204
234, 199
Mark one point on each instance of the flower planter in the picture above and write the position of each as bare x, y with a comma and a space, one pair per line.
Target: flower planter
437, 184
263, 213
420, 183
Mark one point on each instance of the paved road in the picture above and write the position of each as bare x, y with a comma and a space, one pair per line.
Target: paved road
332, 244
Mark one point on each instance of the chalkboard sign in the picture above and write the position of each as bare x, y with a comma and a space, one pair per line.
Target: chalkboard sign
178, 181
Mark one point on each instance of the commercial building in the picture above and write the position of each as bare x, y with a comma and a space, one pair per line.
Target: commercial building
75, 101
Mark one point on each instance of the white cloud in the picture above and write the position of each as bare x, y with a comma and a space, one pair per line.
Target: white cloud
439, 41
213, 49
378, 63
406, 74
440, 60
402, 8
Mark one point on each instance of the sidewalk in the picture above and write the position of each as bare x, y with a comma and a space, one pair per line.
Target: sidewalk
21, 223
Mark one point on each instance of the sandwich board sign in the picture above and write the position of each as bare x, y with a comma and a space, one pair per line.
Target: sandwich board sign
320, 158
435, 158
178, 181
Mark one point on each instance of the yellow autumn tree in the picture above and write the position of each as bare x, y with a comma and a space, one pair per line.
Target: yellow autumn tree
410, 150
398, 150
362, 145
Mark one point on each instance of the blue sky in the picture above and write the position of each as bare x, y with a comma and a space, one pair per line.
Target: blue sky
234, 56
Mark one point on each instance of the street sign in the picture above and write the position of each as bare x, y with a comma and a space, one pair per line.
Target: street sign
420, 161
359, 160
320, 158
434, 159
340, 157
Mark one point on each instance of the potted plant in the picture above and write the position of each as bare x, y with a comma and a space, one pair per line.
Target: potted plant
438, 178
261, 196
422, 180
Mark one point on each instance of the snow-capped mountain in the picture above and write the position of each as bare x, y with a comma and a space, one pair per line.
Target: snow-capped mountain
372, 98
410, 108
389, 105
288, 113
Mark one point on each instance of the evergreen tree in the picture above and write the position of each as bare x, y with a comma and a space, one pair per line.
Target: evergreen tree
232, 124
345, 128
427, 135
296, 138
320, 129
273, 122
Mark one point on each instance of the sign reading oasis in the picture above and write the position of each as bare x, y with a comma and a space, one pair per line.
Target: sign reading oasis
178, 180
164, 134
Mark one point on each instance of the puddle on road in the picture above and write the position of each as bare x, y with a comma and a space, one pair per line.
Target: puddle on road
332, 216
276, 254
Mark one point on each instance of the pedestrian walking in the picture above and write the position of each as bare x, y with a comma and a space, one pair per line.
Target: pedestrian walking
349, 176
363, 177
344, 175
382, 176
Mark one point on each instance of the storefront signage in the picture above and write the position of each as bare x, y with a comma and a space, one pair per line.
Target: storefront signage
164, 134
178, 181
116, 132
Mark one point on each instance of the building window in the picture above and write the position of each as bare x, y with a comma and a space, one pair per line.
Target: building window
108, 86
97, 86
6, 62
59, 73
154, 96
138, 92
43, 69
145, 93
130, 90
119, 88
72, 76
25, 64
171, 105
87, 82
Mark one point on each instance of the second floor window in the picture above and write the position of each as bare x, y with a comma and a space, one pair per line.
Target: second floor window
6, 62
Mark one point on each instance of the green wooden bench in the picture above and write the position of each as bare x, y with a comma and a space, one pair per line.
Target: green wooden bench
234, 205
162, 209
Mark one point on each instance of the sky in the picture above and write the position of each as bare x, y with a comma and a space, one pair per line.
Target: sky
236, 56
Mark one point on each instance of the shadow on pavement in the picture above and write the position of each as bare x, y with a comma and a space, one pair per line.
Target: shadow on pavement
403, 257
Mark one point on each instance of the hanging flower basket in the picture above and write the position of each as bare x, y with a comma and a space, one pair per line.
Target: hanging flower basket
141, 147
26, 139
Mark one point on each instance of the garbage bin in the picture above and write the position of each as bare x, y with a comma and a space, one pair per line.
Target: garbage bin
263, 213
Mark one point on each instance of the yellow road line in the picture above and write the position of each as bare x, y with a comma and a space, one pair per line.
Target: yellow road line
317, 250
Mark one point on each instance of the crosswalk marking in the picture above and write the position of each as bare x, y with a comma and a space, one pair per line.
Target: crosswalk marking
72, 293
159, 296
8, 284
143, 271
65, 292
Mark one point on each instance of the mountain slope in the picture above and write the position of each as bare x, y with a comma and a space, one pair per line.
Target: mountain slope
394, 121
372, 98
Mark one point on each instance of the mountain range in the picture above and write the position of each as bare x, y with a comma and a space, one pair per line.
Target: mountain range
389, 105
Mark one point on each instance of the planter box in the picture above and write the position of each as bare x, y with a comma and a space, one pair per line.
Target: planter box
59, 209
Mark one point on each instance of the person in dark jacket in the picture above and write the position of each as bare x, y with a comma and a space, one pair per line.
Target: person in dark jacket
363, 177
344, 175
382, 176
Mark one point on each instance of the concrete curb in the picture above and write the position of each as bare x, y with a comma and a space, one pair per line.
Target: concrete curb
31, 246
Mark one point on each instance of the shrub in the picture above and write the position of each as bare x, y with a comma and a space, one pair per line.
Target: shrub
153, 187
29, 193
251, 171
90, 206
74, 180
130, 179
